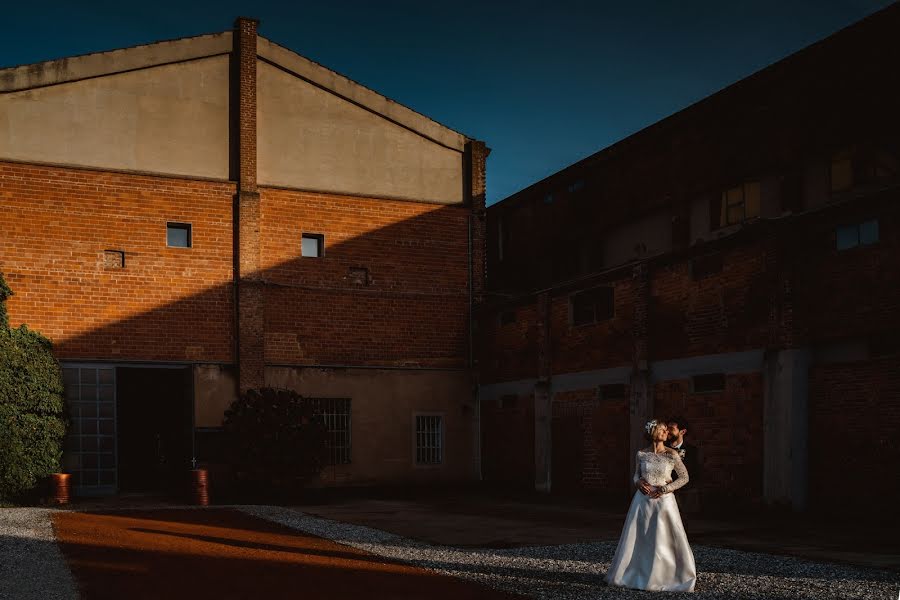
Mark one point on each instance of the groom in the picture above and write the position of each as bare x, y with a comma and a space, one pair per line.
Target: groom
690, 456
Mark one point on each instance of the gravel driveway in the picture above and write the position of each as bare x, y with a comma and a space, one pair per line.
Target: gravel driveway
31, 565
576, 570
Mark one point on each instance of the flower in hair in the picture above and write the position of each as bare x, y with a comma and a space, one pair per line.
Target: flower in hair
650, 426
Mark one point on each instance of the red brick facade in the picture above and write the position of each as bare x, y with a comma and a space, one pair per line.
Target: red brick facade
391, 289
167, 304
378, 326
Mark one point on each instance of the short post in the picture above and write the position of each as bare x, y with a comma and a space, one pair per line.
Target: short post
60, 488
199, 487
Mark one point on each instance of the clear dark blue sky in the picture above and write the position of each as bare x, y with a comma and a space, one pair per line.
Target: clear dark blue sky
543, 83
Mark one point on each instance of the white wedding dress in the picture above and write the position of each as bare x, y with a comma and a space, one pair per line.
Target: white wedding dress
653, 551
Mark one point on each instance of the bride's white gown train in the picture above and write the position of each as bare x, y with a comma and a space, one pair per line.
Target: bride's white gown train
653, 552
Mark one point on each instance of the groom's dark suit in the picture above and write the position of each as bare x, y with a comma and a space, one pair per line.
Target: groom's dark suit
691, 460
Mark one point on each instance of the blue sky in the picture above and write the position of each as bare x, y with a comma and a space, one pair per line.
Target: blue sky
543, 83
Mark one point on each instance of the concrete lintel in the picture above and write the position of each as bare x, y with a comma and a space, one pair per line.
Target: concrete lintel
98, 64
585, 380
492, 391
358, 94
750, 361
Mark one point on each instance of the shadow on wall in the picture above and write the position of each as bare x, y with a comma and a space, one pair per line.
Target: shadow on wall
390, 288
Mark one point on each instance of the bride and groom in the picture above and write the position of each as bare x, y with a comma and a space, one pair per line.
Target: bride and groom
653, 551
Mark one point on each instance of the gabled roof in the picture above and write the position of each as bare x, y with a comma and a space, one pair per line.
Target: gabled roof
100, 64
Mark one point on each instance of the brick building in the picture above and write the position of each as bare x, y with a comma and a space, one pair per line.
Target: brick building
738, 264
193, 217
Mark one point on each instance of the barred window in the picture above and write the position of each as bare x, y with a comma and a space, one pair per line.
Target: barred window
336, 414
429, 439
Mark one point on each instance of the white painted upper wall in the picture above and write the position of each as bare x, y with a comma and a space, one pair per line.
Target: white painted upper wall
645, 237
169, 119
164, 108
315, 139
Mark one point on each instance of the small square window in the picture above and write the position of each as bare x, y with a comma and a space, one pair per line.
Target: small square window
710, 382
507, 317
858, 234
178, 235
868, 232
847, 237
313, 245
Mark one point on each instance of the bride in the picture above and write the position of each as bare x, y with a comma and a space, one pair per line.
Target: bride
653, 551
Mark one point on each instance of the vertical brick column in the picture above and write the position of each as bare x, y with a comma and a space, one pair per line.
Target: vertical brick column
477, 154
250, 313
641, 400
475, 188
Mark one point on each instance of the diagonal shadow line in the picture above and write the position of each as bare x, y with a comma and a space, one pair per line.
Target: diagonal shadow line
260, 545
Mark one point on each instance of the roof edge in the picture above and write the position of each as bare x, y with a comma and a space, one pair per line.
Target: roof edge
359, 94
110, 62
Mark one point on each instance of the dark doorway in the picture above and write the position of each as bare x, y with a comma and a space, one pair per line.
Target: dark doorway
155, 423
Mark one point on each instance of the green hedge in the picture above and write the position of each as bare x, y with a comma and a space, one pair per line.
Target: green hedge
32, 409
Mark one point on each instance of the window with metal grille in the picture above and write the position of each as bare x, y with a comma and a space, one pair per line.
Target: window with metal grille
429, 439
336, 414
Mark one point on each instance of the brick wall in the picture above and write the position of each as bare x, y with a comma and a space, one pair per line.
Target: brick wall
607, 343
726, 311
508, 351
853, 292
854, 417
590, 444
507, 441
391, 288
165, 304
727, 428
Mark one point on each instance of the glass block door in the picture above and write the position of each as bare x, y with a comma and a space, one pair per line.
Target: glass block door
90, 450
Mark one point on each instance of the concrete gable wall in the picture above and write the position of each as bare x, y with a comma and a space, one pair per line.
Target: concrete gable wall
314, 139
170, 119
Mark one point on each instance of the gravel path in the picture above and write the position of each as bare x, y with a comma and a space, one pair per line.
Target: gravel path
31, 565
576, 570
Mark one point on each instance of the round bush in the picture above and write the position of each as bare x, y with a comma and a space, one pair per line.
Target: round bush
276, 441
32, 410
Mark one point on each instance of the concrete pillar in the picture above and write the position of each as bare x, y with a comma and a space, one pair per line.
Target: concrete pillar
543, 398
250, 300
785, 428
543, 440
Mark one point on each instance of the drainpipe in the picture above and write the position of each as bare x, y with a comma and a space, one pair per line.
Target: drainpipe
476, 393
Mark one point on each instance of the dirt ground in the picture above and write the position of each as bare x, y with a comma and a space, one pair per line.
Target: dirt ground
220, 553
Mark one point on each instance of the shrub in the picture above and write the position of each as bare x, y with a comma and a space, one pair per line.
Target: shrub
276, 442
32, 410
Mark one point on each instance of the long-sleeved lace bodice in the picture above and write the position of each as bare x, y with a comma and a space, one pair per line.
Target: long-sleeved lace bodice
656, 469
